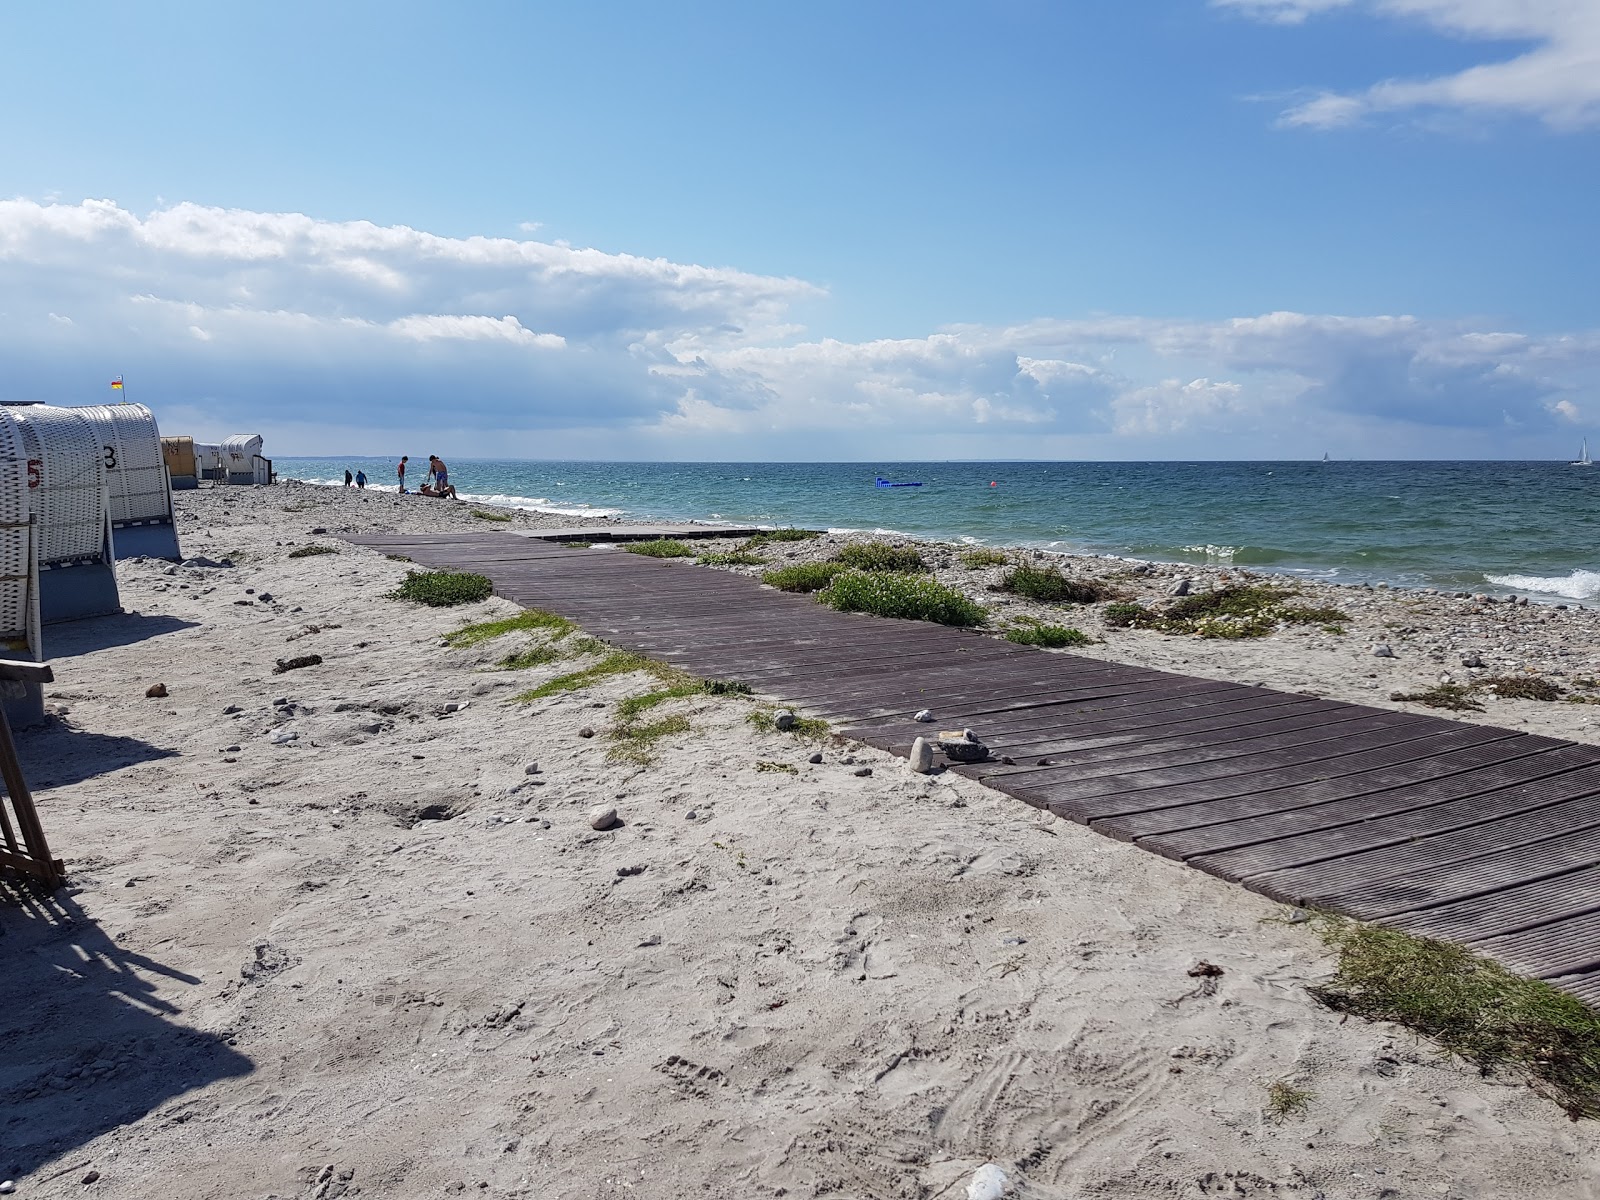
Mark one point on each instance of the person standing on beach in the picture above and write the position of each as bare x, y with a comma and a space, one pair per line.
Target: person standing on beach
361, 481
401, 471
348, 478
441, 473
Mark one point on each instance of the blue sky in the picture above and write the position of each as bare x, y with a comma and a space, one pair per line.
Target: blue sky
1172, 228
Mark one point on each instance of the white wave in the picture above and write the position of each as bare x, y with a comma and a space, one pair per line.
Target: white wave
541, 505
1579, 585
1214, 554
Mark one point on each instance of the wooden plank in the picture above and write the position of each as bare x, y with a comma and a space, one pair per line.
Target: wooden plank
1567, 946
1372, 889
1119, 778
1454, 748
1585, 987
1521, 906
1373, 821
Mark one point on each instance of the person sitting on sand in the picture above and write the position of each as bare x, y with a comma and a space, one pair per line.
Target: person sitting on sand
447, 492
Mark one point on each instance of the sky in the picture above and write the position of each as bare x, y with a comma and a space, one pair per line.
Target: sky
1059, 229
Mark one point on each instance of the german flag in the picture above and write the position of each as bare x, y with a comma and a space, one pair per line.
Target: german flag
116, 384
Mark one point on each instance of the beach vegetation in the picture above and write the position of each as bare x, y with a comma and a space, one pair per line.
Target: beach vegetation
905, 597
1050, 586
398, 557
529, 620
661, 548
765, 721
979, 557
879, 556
731, 558
443, 589
533, 656
1126, 615
802, 577
635, 743
1522, 687
1284, 1100
484, 515
312, 551
1473, 1007
574, 545
1452, 696
617, 662
773, 536
1031, 632
1236, 611
785, 768
724, 687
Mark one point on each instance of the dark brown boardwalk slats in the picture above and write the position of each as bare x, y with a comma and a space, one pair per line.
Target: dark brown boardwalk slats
1104, 791
1460, 801
1565, 947
1521, 906
1079, 749
1186, 806
1471, 833
1369, 887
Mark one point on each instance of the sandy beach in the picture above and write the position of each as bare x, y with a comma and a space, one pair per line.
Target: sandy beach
346, 930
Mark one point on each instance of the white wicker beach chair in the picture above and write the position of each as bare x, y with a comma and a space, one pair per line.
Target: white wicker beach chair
136, 478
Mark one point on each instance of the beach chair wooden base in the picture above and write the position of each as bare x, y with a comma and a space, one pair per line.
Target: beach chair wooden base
25, 849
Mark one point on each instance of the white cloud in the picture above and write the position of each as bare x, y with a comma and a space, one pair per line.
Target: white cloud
1556, 80
280, 321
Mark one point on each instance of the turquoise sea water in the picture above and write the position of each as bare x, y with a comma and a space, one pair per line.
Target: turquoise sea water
1526, 527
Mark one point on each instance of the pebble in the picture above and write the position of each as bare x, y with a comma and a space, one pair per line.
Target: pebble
921, 758
815, 758
231, 709
924, 715
690, 815
1471, 660
862, 772
456, 705
1180, 586
988, 1183
1382, 650
284, 736
265, 597
586, 731
155, 691
603, 817
7, 1186
531, 769
92, 1177
785, 720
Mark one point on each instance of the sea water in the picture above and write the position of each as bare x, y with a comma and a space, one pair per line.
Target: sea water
1526, 527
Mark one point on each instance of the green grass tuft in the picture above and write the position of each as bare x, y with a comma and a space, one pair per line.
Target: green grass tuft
574, 545
908, 597
443, 589
532, 620
618, 662
636, 743
774, 536
879, 556
802, 577
661, 548
784, 768
534, 656
398, 557
731, 558
804, 727
1473, 1007
1049, 585
490, 516
1053, 637
312, 551
1284, 1100
981, 556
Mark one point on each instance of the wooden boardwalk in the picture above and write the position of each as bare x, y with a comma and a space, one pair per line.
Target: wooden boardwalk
1479, 835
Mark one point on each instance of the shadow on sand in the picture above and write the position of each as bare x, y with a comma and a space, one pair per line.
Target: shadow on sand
55, 753
66, 639
87, 1045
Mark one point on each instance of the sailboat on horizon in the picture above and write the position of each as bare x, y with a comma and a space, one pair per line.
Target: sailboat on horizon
1583, 456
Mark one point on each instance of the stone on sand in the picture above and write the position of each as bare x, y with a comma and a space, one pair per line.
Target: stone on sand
603, 816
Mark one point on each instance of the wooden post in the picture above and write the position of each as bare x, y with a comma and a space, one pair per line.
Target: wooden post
33, 856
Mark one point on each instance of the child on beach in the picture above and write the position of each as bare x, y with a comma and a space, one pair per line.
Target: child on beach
401, 471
